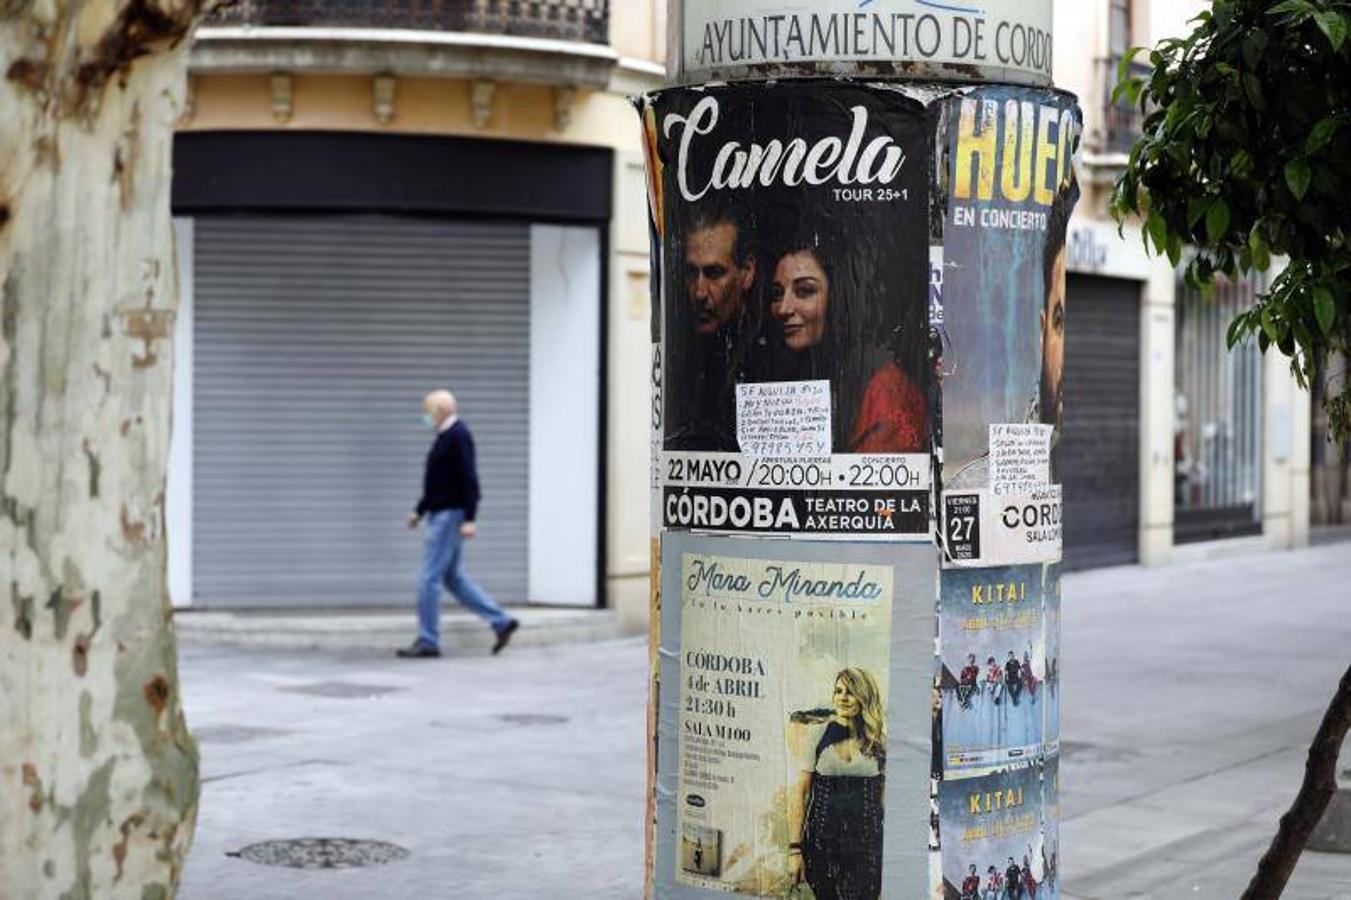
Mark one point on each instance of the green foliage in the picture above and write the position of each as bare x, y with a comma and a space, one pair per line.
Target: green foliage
1246, 155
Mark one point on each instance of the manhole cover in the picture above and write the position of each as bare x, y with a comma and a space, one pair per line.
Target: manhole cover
322, 853
342, 689
532, 719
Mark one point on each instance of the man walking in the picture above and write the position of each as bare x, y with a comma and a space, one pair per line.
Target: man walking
449, 500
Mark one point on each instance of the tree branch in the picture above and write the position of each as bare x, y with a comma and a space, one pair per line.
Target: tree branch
1320, 783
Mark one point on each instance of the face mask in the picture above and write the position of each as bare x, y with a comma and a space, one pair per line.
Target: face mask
428, 421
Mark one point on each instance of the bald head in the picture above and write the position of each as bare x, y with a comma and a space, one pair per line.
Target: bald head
440, 405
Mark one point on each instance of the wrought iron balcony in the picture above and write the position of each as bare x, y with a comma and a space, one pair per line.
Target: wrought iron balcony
586, 21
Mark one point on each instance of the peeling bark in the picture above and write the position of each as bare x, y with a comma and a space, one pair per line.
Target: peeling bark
98, 775
1320, 783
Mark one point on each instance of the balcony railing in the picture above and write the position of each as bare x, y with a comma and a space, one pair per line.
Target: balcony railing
586, 21
1121, 121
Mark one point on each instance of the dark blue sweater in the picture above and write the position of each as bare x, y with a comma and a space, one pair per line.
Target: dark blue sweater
451, 478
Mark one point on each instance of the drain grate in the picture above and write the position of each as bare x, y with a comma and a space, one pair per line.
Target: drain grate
532, 719
322, 853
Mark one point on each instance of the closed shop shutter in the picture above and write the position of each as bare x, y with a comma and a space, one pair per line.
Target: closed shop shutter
315, 339
1100, 452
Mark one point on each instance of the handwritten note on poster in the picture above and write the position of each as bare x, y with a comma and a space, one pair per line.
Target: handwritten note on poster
783, 418
1020, 457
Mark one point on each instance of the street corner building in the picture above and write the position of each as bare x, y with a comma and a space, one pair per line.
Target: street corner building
372, 202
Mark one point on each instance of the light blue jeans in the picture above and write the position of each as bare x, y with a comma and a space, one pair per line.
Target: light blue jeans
443, 563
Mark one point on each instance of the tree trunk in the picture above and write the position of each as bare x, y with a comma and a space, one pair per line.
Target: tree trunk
98, 776
1320, 783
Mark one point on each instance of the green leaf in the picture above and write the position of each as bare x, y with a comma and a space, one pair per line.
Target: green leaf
1124, 64
1257, 243
1235, 332
1297, 177
1217, 221
1174, 249
1301, 376
1253, 47
1297, 9
1157, 229
1302, 335
1321, 134
1134, 87
1130, 89
1253, 88
1334, 26
1268, 326
1324, 309
1196, 210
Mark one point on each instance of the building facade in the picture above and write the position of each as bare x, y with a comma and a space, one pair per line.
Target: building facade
375, 199
1177, 446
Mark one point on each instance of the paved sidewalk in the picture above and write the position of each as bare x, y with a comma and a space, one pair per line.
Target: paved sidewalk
1190, 694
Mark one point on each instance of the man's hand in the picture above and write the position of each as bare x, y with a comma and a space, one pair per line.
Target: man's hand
412, 520
468, 529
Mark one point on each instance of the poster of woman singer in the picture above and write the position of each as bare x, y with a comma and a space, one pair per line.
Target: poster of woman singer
835, 811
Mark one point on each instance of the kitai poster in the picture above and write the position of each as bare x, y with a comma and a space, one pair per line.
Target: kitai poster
992, 639
991, 830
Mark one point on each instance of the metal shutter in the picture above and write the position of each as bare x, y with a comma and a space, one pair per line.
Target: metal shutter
315, 341
1101, 443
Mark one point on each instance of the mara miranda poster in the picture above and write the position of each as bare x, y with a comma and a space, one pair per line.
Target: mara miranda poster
794, 726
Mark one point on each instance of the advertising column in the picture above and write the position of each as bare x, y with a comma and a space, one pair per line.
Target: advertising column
1011, 189
854, 482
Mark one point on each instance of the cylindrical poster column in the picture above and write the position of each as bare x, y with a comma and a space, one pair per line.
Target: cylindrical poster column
858, 333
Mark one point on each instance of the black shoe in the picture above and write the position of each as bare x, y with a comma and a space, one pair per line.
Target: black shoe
504, 635
418, 650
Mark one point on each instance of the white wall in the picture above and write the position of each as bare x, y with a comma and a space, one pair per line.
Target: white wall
1079, 41
1171, 18
178, 492
565, 388
629, 393
1286, 441
1158, 380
